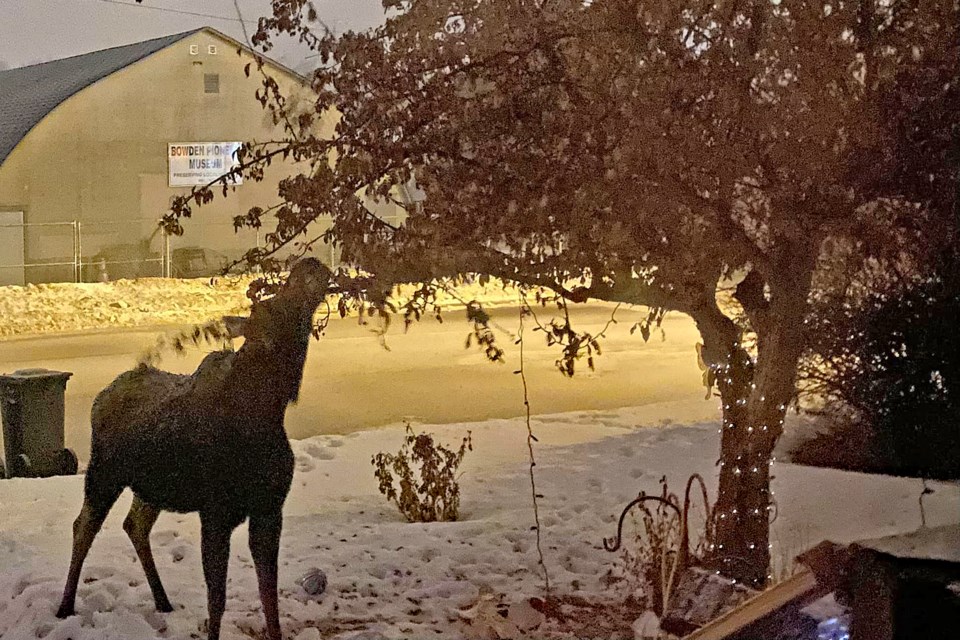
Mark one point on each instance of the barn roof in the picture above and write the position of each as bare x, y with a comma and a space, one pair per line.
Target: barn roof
28, 94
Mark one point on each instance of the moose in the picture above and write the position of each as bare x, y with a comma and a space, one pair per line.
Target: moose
211, 442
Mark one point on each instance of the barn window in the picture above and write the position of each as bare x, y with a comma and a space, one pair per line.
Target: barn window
211, 83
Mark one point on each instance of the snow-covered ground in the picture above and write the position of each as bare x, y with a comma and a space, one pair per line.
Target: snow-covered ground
66, 307
391, 579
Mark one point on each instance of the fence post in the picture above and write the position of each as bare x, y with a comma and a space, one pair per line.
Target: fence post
165, 266
77, 252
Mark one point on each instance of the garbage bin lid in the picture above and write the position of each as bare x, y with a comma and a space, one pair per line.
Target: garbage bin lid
26, 375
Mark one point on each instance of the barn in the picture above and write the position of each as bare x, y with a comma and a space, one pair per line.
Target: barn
94, 147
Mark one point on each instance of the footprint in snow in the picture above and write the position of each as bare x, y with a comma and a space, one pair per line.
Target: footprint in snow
305, 463
164, 537
179, 552
321, 452
429, 554
99, 600
95, 573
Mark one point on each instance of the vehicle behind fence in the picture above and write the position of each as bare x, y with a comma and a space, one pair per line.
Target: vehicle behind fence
101, 251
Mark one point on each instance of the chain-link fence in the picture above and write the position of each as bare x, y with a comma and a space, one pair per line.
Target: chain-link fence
61, 240
100, 251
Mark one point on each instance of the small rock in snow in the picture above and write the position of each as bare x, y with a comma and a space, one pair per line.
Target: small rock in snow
314, 581
308, 634
647, 626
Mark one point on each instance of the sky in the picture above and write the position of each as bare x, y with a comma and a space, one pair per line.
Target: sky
33, 31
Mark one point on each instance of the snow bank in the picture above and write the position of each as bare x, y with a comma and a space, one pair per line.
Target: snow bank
64, 307
68, 307
391, 579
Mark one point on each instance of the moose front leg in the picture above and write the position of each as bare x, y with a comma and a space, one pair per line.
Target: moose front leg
265, 547
215, 549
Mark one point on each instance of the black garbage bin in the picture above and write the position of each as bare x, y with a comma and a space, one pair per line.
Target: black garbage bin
32, 408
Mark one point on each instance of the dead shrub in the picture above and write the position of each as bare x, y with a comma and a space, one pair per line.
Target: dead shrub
426, 473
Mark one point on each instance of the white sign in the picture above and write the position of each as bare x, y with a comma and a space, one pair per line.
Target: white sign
198, 163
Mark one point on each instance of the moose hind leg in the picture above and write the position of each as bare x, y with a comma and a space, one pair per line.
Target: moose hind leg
265, 547
96, 506
138, 524
215, 549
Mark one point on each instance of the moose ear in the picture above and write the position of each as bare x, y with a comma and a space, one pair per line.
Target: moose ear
235, 325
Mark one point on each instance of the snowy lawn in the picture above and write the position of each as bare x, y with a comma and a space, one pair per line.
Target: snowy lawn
391, 579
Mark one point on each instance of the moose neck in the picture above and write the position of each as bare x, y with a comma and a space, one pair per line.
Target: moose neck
268, 369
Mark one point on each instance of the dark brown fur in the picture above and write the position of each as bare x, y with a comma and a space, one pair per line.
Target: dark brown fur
211, 442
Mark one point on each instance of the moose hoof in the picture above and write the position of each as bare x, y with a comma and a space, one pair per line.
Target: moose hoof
64, 611
165, 607
21, 467
68, 463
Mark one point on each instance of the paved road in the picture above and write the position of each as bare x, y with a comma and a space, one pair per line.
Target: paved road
351, 382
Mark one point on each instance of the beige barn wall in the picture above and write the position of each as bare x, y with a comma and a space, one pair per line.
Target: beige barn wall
101, 156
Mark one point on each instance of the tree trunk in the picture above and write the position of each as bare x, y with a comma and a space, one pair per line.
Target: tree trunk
754, 397
741, 518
